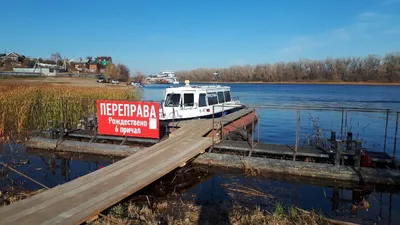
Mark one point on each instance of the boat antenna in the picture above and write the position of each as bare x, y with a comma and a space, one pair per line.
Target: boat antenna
216, 77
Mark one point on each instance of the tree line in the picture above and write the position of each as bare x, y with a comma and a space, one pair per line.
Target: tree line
117, 72
371, 68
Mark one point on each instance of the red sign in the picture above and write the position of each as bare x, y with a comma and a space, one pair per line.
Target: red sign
125, 118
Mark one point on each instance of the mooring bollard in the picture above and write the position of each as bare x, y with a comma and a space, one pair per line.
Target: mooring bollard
61, 129
51, 126
86, 122
357, 157
334, 147
94, 130
349, 141
395, 136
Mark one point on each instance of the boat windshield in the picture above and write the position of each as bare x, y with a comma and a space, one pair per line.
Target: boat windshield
172, 100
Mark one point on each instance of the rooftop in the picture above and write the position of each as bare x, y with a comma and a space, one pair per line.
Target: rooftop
198, 87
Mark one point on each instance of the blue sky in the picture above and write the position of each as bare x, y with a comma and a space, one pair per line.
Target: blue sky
151, 35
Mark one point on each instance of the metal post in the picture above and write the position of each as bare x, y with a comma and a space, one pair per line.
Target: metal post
341, 126
66, 112
349, 141
297, 134
222, 123
357, 159
258, 127
51, 126
212, 130
86, 122
94, 130
335, 147
386, 129
63, 109
395, 135
252, 138
94, 122
345, 124
390, 209
61, 129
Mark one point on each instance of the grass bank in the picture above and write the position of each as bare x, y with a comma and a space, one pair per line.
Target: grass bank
29, 106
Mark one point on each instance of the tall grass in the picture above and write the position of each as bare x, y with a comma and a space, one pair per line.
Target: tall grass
28, 107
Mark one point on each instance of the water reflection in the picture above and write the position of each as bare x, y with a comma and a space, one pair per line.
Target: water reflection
356, 204
48, 168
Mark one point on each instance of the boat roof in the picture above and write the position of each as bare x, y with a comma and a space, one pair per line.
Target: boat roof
199, 88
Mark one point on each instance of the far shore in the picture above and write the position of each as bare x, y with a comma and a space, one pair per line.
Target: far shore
311, 82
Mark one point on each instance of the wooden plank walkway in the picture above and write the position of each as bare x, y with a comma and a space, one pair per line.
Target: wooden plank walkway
81, 199
84, 197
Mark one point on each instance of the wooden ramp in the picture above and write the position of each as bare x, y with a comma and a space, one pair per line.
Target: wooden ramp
81, 199
84, 197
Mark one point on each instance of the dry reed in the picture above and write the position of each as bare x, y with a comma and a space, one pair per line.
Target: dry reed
28, 107
175, 213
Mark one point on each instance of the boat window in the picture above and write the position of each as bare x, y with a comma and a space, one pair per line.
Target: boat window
212, 98
221, 97
188, 99
172, 100
227, 96
202, 100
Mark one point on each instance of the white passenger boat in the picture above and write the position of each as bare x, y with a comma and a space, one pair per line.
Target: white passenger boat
192, 102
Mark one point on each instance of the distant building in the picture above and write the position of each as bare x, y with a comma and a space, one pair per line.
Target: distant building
39, 71
93, 67
13, 56
103, 60
80, 64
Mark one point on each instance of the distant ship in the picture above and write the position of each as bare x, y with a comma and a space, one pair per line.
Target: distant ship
164, 77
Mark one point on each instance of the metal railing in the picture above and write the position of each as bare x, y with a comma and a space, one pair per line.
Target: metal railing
343, 122
19, 74
87, 111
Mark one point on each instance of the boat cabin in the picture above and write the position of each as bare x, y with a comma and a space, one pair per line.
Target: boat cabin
188, 102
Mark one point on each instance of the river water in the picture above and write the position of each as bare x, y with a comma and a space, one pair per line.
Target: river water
277, 125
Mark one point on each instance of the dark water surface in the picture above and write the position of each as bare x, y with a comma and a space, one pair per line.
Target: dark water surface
276, 126
329, 198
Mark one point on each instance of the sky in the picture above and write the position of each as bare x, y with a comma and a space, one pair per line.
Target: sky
154, 35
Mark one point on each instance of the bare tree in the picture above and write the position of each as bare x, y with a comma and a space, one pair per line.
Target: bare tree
355, 69
56, 57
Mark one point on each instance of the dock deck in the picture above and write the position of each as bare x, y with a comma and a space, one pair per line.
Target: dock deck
271, 149
288, 151
79, 200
